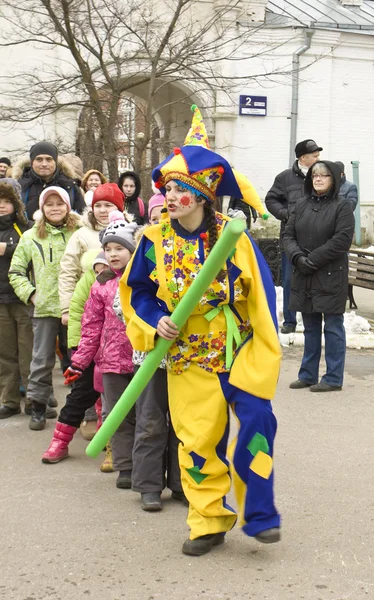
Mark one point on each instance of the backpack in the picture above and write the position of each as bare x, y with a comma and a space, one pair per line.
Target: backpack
141, 207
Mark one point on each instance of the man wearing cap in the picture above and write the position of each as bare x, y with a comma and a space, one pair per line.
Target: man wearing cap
46, 168
4, 166
287, 188
348, 189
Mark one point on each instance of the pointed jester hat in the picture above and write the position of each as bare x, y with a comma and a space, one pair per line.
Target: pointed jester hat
206, 172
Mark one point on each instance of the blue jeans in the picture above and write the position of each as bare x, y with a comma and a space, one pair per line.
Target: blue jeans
289, 315
335, 347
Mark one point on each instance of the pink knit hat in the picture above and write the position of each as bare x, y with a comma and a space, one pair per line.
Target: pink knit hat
155, 200
54, 189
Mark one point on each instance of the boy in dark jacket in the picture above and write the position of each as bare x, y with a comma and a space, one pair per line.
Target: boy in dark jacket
15, 318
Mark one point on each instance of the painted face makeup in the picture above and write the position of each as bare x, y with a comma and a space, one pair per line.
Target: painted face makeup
184, 205
185, 200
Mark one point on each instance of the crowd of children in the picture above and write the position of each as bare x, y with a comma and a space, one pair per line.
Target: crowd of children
113, 277
63, 269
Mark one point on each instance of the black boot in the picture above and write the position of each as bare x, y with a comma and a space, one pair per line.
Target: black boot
151, 501
50, 413
269, 536
37, 421
6, 411
180, 497
124, 480
203, 544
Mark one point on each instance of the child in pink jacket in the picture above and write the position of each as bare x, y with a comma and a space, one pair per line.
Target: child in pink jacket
104, 340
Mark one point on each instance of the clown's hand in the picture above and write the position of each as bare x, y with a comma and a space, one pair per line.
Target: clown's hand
236, 214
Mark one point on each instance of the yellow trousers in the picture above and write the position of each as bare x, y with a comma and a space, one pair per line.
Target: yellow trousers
199, 408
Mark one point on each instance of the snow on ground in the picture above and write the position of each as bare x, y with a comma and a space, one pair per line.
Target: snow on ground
358, 330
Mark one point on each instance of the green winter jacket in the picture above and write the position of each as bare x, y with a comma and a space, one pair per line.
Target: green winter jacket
44, 255
76, 309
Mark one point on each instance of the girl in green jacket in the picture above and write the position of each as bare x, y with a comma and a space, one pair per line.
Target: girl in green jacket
42, 248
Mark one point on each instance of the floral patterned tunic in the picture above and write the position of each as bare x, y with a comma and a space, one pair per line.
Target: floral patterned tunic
183, 258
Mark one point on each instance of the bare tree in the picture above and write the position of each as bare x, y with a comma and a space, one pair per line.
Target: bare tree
108, 49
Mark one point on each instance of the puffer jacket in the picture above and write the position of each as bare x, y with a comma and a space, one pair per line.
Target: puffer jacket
32, 185
321, 228
45, 258
74, 262
78, 301
9, 236
103, 336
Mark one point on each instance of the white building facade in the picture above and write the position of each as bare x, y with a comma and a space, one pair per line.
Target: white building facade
310, 61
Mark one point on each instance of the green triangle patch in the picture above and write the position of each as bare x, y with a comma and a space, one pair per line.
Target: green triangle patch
257, 443
196, 474
151, 254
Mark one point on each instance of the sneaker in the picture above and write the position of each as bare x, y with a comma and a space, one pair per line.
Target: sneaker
37, 421
299, 384
6, 411
180, 497
288, 329
269, 536
88, 429
151, 501
202, 545
124, 480
325, 387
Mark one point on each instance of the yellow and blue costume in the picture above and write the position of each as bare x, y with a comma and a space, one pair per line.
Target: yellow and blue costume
227, 355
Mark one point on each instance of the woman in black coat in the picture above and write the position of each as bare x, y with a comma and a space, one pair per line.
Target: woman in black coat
316, 241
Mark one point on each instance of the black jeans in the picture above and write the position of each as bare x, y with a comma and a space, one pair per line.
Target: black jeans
81, 397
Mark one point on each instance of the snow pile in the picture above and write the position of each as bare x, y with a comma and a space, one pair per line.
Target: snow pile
355, 324
358, 330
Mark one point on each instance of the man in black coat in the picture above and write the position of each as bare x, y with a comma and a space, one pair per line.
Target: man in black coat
45, 169
317, 238
280, 201
348, 189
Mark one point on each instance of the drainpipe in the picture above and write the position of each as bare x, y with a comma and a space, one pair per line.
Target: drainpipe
295, 91
356, 179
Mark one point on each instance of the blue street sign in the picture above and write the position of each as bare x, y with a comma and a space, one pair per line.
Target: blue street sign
253, 106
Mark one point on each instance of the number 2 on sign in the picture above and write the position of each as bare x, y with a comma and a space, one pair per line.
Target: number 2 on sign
248, 101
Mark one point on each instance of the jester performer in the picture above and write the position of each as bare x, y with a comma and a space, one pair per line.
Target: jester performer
226, 356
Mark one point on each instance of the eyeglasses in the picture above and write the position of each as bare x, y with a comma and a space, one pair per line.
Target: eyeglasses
320, 176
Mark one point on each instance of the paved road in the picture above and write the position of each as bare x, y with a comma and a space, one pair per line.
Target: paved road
68, 534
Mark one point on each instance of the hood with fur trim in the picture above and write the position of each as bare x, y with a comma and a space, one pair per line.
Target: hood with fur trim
23, 166
7, 190
73, 218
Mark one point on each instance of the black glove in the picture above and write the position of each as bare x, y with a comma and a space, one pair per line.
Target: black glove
285, 215
305, 265
254, 214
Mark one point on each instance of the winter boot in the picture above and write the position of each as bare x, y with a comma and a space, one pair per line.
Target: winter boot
151, 501
37, 421
107, 464
203, 544
58, 449
50, 413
